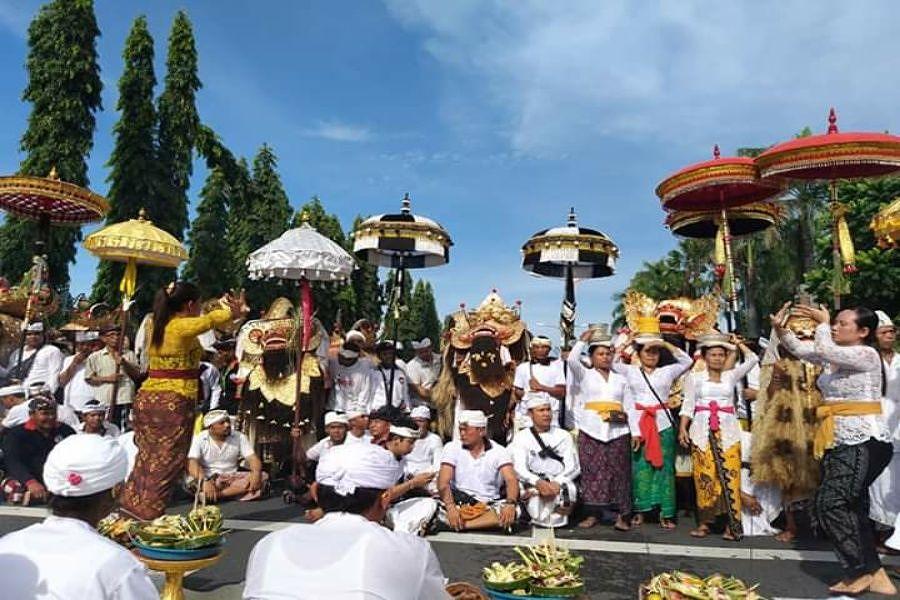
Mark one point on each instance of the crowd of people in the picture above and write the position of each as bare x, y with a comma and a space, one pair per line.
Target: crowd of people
609, 432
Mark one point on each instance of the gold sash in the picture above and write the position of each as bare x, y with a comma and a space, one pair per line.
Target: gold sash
825, 414
604, 407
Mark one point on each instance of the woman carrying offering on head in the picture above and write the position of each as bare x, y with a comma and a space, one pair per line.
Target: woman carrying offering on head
709, 427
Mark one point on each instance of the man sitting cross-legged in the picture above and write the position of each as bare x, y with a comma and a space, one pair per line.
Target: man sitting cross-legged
546, 463
473, 470
213, 461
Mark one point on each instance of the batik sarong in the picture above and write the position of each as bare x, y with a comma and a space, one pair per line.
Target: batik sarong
605, 472
162, 434
710, 498
655, 487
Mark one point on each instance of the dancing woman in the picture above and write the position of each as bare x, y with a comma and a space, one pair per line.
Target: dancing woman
164, 407
851, 437
653, 467
710, 428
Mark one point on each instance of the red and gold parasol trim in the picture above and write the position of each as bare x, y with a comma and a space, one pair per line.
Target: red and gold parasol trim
703, 224
62, 202
864, 159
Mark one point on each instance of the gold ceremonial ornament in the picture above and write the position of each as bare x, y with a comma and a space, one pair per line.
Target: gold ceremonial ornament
491, 317
886, 225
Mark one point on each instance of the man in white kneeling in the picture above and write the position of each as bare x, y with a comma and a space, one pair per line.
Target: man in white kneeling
546, 463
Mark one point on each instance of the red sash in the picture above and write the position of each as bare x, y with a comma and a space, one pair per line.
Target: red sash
650, 433
714, 410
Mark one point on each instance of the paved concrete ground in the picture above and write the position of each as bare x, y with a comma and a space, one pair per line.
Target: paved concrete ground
615, 563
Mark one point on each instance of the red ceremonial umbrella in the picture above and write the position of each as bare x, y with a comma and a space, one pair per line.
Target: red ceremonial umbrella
830, 157
719, 184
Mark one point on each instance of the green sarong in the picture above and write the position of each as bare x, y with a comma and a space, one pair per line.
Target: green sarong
655, 487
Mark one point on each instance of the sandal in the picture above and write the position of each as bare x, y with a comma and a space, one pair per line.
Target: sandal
637, 520
588, 522
621, 525
667, 524
700, 532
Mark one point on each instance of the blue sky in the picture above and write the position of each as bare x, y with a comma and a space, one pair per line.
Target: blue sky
498, 116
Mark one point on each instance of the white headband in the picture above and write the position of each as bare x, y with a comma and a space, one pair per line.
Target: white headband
348, 467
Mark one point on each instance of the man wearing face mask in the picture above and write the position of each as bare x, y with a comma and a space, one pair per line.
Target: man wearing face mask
349, 372
541, 377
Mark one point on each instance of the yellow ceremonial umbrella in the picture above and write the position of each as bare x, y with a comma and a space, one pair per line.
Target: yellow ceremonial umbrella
134, 242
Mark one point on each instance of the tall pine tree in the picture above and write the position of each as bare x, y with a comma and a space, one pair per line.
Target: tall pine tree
64, 91
210, 262
178, 125
134, 174
430, 325
267, 218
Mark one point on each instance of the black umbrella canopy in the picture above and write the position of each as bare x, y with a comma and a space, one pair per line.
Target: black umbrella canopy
402, 240
589, 253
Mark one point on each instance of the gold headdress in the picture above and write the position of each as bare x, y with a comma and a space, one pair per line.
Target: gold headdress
492, 317
689, 317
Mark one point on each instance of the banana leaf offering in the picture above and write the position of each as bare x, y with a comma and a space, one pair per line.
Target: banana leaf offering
678, 585
546, 570
202, 527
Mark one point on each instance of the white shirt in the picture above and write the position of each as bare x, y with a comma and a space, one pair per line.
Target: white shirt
348, 383
18, 414
661, 379
111, 430
66, 559
343, 557
589, 385
126, 440
77, 391
477, 476
752, 378
851, 373
422, 373
530, 466
211, 384
700, 393
220, 459
425, 455
550, 375
890, 404
375, 392
321, 448
45, 368
365, 438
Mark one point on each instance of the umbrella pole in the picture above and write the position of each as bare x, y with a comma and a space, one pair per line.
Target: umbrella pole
302, 339
399, 289
729, 265
837, 265
567, 323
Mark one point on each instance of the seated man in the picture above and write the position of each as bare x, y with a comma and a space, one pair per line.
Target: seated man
18, 413
473, 471
546, 463
93, 420
414, 510
25, 450
358, 424
336, 430
346, 554
380, 421
64, 556
426, 453
213, 460
15, 409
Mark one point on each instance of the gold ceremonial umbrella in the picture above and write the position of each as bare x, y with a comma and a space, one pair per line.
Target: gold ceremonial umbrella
133, 242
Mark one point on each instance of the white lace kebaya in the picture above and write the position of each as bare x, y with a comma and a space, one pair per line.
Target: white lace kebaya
851, 373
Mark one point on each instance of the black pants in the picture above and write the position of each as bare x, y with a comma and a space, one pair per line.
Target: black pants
842, 503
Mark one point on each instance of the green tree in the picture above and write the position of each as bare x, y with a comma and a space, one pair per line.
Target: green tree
366, 287
423, 313
264, 220
64, 91
134, 175
878, 277
178, 126
210, 265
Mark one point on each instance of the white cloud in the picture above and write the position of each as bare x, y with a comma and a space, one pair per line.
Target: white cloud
340, 132
561, 75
